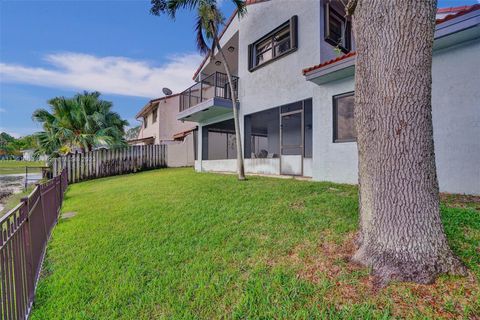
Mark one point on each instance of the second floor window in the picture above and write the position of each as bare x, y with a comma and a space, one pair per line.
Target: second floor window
337, 29
145, 121
154, 115
279, 42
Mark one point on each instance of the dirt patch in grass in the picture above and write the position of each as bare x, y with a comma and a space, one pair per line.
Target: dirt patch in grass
349, 283
297, 204
460, 200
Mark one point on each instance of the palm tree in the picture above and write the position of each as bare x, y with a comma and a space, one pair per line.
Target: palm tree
84, 121
208, 20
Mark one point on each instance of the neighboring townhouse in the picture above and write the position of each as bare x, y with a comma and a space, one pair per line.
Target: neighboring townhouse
159, 122
160, 126
29, 155
293, 63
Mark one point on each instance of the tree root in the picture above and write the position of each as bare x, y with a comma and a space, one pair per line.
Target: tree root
387, 268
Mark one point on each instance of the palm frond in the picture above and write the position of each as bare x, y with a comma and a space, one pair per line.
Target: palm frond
158, 7
173, 5
241, 7
42, 116
201, 43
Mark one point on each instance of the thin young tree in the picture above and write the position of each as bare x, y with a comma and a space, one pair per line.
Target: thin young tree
208, 20
401, 233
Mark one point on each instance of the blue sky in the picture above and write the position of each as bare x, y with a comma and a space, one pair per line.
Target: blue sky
57, 48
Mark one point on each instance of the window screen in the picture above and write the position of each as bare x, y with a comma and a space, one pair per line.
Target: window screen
337, 29
154, 115
343, 120
273, 45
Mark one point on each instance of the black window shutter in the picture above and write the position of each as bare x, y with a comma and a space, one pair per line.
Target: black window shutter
348, 36
327, 21
294, 31
250, 57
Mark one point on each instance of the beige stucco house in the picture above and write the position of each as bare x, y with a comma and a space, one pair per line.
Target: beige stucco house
160, 126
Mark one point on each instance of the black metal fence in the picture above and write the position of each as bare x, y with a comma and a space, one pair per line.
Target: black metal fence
215, 85
25, 231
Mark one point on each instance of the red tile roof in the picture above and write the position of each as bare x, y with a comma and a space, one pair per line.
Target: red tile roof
464, 10
326, 63
452, 9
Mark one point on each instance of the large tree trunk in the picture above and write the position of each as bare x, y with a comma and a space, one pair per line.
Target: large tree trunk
401, 234
240, 165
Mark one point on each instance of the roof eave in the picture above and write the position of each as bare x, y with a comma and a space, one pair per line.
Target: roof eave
144, 110
229, 22
147, 108
338, 68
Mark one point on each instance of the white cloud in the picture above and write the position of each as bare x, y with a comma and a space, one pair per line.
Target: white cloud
114, 75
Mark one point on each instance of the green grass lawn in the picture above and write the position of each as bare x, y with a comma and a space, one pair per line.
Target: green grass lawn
12, 166
174, 244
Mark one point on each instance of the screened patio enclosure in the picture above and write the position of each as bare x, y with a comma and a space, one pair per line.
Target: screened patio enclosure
282, 134
277, 141
219, 141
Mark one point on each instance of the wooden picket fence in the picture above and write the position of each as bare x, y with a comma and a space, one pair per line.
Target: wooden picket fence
104, 163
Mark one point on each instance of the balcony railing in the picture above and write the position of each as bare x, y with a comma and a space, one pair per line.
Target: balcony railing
214, 86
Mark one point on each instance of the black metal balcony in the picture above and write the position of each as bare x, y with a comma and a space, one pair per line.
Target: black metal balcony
214, 86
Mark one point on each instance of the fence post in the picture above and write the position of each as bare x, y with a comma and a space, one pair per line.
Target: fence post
70, 165
155, 149
87, 165
74, 168
15, 257
147, 151
92, 168
149, 156
118, 161
54, 167
147, 147
145, 159
97, 154
81, 169
40, 203
29, 257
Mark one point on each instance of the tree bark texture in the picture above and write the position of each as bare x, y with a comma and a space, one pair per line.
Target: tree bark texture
401, 235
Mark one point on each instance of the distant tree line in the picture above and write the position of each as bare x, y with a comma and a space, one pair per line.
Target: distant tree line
132, 133
11, 147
